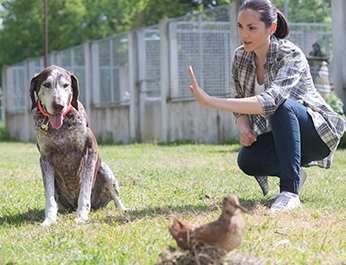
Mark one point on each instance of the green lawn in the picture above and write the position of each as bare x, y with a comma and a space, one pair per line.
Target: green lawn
158, 183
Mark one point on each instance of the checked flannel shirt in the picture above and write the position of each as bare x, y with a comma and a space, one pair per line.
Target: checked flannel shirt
286, 75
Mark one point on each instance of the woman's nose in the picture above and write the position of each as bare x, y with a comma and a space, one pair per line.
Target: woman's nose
242, 33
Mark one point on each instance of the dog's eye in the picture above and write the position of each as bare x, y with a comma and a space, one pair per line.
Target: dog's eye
65, 85
47, 85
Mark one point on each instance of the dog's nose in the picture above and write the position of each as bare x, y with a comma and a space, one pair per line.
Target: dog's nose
58, 106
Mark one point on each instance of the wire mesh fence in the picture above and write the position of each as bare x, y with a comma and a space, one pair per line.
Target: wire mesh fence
73, 60
148, 43
202, 41
110, 70
305, 35
15, 89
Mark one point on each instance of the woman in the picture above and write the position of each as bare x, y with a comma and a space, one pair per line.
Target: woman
284, 122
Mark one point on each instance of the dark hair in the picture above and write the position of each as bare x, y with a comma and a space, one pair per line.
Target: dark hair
268, 14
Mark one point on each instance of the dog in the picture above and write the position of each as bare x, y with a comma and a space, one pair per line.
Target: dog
74, 177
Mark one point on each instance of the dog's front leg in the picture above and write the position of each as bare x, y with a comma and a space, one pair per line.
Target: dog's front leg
48, 183
84, 200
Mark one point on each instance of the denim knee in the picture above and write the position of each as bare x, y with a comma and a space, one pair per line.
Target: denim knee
244, 161
285, 107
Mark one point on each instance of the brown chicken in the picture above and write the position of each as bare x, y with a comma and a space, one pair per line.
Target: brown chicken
225, 234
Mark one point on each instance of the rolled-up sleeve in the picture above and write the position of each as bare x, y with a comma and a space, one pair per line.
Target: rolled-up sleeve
290, 69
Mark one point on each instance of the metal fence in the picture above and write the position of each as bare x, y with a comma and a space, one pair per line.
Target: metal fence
305, 35
110, 70
15, 89
201, 40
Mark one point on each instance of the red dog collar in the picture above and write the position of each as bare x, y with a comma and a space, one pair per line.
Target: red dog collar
45, 114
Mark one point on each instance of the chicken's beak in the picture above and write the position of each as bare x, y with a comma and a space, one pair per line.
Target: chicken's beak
243, 209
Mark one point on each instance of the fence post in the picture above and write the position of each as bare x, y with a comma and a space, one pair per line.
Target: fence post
164, 76
88, 75
26, 134
4, 84
234, 6
133, 84
339, 42
173, 59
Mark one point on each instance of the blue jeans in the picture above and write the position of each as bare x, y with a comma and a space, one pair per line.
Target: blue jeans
292, 143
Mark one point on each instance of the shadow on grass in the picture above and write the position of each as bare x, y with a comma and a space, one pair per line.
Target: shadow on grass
234, 149
36, 216
32, 216
171, 211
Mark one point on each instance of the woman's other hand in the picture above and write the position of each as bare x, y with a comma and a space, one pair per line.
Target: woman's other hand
202, 97
248, 137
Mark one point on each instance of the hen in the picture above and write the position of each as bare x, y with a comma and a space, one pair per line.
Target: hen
224, 234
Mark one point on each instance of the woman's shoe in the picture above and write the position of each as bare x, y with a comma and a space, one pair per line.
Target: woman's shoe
285, 201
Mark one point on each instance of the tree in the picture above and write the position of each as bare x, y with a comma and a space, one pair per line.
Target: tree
310, 11
72, 22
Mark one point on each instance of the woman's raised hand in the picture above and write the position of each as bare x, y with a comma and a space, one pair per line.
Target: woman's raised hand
202, 97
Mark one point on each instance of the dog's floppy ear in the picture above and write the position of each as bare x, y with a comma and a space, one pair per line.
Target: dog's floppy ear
75, 89
33, 86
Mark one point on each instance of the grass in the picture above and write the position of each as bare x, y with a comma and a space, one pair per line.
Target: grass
158, 183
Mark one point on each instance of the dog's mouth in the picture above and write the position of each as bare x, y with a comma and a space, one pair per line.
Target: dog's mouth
56, 120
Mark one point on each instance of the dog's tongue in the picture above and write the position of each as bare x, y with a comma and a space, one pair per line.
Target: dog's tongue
56, 120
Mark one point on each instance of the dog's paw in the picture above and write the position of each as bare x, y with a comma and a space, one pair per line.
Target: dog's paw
80, 220
48, 222
120, 205
81, 217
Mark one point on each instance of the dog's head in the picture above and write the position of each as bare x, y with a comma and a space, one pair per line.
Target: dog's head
55, 87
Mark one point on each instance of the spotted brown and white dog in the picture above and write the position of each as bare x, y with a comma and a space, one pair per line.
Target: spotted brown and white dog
74, 176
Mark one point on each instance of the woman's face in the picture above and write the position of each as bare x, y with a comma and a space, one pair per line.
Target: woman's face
253, 32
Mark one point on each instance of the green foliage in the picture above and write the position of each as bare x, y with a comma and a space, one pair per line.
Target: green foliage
338, 106
336, 103
4, 135
301, 10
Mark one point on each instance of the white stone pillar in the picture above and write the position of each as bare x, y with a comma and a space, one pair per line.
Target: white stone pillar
164, 75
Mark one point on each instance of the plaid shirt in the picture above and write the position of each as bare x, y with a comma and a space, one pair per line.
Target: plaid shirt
286, 75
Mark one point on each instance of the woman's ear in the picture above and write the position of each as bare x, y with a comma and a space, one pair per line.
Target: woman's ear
273, 28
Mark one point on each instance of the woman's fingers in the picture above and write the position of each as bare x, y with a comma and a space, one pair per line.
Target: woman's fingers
200, 95
191, 89
192, 77
194, 84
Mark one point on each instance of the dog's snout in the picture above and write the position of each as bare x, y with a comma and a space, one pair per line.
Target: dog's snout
58, 106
